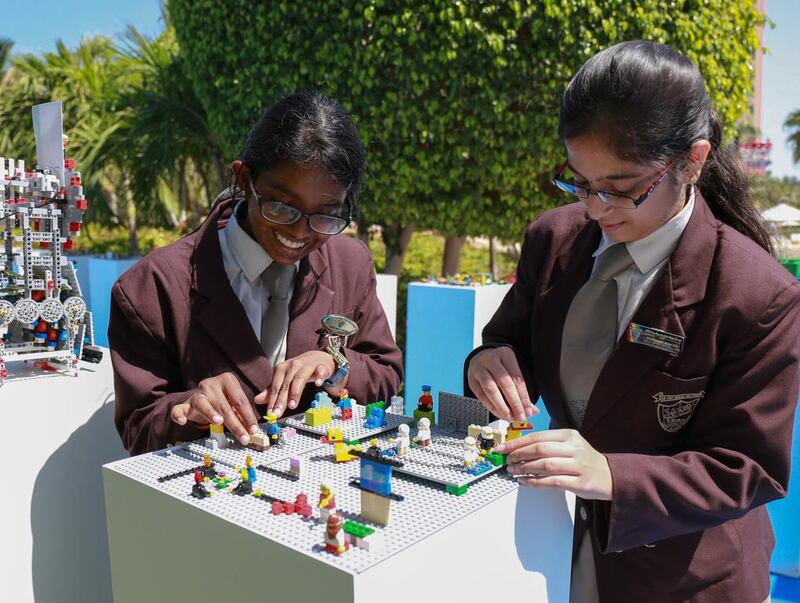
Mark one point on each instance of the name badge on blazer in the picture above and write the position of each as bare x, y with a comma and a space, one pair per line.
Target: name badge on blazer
655, 338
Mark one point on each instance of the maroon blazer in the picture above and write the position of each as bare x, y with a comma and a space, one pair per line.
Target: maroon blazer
175, 321
697, 442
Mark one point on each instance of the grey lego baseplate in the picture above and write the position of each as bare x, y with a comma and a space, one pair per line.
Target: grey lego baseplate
352, 429
426, 508
457, 413
442, 461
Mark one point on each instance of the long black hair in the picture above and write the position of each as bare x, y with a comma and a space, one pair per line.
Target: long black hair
308, 128
649, 103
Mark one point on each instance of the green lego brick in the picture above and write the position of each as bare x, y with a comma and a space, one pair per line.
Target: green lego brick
359, 530
418, 414
457, 490
495, 458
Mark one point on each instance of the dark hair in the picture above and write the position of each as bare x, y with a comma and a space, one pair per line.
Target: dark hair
649, 103
307, 128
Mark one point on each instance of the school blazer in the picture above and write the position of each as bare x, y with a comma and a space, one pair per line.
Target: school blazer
697, 443
175, 321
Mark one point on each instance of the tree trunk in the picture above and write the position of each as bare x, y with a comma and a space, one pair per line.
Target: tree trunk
362, 231
219, 166
130, 211
396, 237
452, 254
492, 259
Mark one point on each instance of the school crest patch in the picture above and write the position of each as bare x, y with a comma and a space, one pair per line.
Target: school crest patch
675, 410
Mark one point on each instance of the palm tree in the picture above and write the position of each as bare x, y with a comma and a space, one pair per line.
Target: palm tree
792, 123
5, 53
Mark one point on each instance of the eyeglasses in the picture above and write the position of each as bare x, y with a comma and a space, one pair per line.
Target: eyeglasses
611, 199
281, 213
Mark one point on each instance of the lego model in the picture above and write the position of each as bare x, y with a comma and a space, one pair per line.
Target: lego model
345, 405
327, 502
486, 441
402, 443
425, 406
335, 538
471, 453
397, 405
517, 429
199, 489
423, 437
375, 484
273, 429
217, 438
43, 317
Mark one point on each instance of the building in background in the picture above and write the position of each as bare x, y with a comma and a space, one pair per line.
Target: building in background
755, 151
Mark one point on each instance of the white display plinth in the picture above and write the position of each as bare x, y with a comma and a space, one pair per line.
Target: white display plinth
166, 545
59, 431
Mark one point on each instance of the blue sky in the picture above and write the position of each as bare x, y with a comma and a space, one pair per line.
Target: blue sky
70, 19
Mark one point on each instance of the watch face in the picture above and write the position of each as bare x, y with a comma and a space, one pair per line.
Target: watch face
339, 325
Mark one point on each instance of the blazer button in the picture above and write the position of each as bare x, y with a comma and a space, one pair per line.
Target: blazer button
584, 513
650, 546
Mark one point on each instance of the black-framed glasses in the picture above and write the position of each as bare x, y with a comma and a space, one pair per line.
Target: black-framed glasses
286, 215
611, 199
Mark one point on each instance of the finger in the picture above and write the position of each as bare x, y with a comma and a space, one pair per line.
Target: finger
480, 393
261, 398
180, 413
277, 382
545, 467
548, 435
509, 360
235, 395
230, 418
552, 482
320, 374
493, 398
541, 450
202, 406
282, 398
508, 390
305, 375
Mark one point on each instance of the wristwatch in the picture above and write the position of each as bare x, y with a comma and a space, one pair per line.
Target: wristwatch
336, 330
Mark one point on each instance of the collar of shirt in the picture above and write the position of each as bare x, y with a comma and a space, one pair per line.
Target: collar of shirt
248, 255
650, 251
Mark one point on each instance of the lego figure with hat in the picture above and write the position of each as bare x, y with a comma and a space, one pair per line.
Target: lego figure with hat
345, 405
471, 454
199, 489
273, 429
486, 441
402, 442
425, 401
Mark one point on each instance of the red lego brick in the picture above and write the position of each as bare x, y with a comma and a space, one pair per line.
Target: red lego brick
74, 226
82, 204
69, 164
68, 245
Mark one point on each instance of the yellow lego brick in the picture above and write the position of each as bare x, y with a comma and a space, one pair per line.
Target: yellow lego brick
318, 416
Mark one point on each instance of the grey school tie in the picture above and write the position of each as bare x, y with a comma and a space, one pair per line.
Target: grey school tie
278, 280
590, 332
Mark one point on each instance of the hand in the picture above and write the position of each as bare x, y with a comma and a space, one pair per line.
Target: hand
289, 378
494, 377
561, 459
216, 400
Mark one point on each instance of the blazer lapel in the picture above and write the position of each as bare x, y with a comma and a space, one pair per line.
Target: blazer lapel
682, 283
219, 312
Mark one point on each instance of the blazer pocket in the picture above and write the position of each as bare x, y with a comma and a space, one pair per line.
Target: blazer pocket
665, 406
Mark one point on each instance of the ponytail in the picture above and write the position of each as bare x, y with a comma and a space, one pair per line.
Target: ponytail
725, 187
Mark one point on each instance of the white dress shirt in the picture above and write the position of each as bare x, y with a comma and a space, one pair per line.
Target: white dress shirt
650, 255
245, 260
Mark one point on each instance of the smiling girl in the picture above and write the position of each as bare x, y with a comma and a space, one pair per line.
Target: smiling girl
230, 315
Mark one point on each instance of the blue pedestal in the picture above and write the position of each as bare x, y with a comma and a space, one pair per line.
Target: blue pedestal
97, 276
443, 325
785, 515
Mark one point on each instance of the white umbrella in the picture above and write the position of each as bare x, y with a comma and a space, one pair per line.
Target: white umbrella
782, 214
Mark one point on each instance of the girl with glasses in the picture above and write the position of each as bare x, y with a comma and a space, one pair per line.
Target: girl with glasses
661, 335
225, 324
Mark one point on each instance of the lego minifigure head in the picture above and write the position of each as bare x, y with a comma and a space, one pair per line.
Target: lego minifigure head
423, 423
403, 429
248, 461
487, 432
324, 489
426, 389
335, 522
300, 171
207, 460
271, 418
344, 394
469, 442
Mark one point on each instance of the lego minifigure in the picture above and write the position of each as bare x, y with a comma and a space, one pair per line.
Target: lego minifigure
327, 502
245, 486
425, 401
251, 471
345, 405
199, 489
335, 538
423, 432
470, 452
217, 437
208, 468
273, 429
486, 441
402, 442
